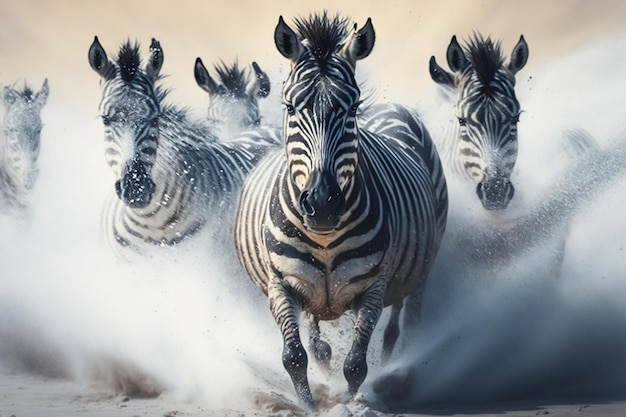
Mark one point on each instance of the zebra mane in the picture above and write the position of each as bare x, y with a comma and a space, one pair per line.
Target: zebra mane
128, 60
27, 92
233, 79
324, 34
486, 58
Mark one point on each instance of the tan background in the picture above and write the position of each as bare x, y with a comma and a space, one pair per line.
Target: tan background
51, 38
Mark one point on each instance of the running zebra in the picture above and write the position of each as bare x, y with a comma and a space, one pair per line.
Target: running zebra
20, 144
171, 173
483, 143
341, 219
233, 97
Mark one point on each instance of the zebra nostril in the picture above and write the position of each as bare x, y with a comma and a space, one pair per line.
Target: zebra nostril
306, 206
118, 188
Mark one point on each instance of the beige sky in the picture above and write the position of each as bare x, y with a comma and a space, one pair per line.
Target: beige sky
50, 38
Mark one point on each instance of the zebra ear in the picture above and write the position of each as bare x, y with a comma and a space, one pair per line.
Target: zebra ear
360, 43
98, 59
203, 78
261, 85
287, 41
42, 96
519, 56
455, 56
438, 74
155, 62
8, 95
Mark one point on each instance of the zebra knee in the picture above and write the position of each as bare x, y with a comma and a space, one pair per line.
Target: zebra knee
355, 368
295, 359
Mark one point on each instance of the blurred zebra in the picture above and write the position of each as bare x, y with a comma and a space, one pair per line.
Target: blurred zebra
483, 141
20, 144
171, 173
341, 219
233, 97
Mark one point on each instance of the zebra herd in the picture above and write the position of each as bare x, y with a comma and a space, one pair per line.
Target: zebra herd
343, 208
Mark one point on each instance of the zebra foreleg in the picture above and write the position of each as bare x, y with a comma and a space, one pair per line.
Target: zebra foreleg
320, 348
368, 308
286, 312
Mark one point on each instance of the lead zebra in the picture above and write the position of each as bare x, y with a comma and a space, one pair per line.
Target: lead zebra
483, 142
20, 143
341, 219
233, 97
171, 173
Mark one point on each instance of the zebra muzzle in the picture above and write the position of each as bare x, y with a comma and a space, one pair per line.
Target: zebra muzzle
495, 193
136, 188
322, 202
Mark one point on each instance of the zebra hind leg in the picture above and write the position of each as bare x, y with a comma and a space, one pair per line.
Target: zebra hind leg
392, 331
320, 348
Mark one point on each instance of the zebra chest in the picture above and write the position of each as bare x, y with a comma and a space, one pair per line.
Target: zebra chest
327, 279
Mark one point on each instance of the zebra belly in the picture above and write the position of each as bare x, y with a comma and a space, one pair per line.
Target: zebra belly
327, 292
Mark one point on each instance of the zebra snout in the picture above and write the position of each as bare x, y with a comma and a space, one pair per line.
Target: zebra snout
322, 202
136, 188
495, 193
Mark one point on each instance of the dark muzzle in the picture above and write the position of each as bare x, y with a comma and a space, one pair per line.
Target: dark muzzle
136, 188
322, 202
495, 193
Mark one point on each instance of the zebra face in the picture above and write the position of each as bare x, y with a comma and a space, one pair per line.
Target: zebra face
321, 99
130, 110
488, 147
22, 132
321, 140
487, 112
131, 129
233, 97
231, 115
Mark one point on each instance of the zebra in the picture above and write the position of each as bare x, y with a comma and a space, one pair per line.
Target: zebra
233, 97
483, 143
171, 173
342, 219
20, 143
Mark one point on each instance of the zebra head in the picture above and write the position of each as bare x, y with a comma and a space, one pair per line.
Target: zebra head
233, 98
487, 112
22, 132
130, 109
321, 98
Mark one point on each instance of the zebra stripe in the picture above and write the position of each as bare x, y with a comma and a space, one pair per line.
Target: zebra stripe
20, 138
483, 142
172, 174
342, 218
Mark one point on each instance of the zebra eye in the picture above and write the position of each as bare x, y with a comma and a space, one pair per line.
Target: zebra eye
290, 109
354, 109
462, 121
154, 122
106, 120
515, 119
